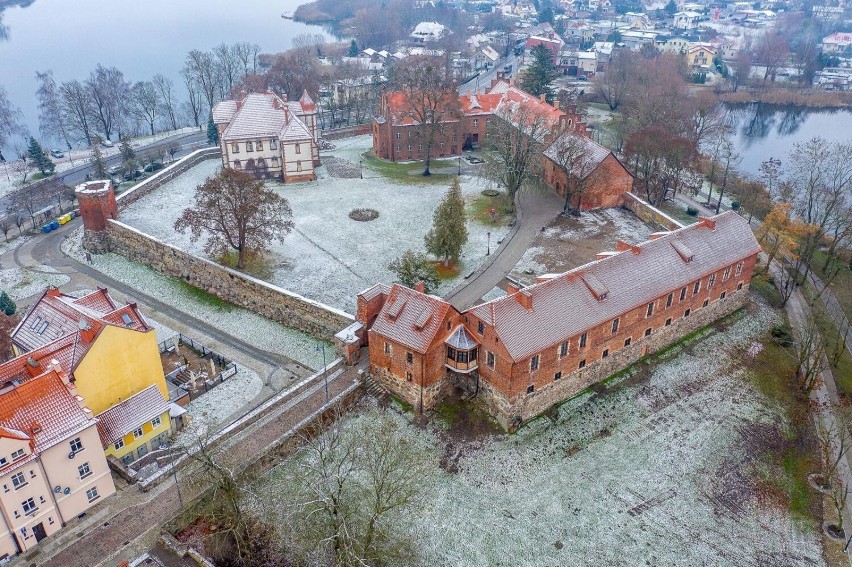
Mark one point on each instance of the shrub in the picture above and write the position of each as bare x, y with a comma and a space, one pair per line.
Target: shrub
735, 205
363, 215
692, 211
491, 192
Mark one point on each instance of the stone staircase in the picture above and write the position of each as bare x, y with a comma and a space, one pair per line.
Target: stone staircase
374, 389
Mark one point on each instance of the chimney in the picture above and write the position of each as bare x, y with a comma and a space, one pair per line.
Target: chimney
621, 246
33, 367
512, 288
556, 104
420, 286
708, 223
541, 97
87, 334
525, 299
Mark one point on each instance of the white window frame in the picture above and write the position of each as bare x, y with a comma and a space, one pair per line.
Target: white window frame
84, 470
92, 494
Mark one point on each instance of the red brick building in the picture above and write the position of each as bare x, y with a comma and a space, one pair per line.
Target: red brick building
398, 136
545, 343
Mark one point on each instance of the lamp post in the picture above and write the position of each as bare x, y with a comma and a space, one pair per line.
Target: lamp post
321, 346
488, 251
360, 169
459, 165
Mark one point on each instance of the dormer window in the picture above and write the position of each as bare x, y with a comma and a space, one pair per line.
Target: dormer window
35, 323
42, 328
127, 320
19, 454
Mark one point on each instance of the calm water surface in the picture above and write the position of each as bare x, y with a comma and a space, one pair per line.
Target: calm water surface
141, 38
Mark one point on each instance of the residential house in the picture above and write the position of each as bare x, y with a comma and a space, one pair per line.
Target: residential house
427, 32
579, 32
539, 345
686, 20
700, 55
485, 58
678, 45
269, 136
837, 42
52, 468
634, 40
587, 63
109, 351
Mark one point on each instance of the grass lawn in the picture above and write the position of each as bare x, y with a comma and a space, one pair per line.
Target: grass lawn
841, 285
479, 209
411, 172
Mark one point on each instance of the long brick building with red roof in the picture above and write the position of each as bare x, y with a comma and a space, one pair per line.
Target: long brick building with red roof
542, 344
399, 136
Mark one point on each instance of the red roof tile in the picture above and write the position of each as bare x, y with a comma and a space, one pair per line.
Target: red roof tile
411, 318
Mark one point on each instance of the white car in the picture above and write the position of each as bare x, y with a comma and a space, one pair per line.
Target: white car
107, 144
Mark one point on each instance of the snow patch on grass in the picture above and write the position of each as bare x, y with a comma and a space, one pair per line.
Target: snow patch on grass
21, 283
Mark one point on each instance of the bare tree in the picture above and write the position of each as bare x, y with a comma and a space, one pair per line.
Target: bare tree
430, 99
809, 354
772, 49
144, 103
30, 199
6, 224
108, 95
164, 88
246, 53
770, 174
51, 119
228, 64
571, 153
10, 121
236, 212
75, 111
20, 220
201, 67
614, 84
194, 103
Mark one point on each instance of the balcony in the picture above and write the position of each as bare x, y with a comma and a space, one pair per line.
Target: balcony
462, 351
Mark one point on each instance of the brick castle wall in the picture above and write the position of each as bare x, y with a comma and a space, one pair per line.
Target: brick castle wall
649, 213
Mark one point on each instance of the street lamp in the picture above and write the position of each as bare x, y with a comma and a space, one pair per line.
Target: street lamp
321, 346
360, 169
488, 252
459, 165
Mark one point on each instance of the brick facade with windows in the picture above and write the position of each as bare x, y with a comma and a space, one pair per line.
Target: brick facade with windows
534, 350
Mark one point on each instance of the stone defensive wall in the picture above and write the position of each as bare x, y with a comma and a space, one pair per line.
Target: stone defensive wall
650, 214
165, 175
256, 295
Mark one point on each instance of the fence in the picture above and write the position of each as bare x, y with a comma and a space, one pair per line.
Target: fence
229, 368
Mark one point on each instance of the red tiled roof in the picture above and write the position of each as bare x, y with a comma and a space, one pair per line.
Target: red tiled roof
480, 103
411, 318
593, 153
44, 409
400, 109
565, 305
64, 313
67, 351
136, 410
515, 99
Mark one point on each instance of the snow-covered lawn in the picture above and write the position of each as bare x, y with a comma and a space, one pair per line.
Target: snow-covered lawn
568, 242
330, 257
219, 406
21, 283
241, 323
637, 474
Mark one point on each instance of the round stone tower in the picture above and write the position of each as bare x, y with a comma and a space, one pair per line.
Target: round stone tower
97, 206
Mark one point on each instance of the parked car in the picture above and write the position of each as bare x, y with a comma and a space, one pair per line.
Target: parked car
107, 144
475, 159
582, 78
57, 154
115, 169
151, 167
130, 176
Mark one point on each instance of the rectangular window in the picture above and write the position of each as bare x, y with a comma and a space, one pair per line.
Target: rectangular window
669, 300
582, 364
84, 470
235, 148
480, 328
739, 269
489, 359
3, 461
557, 376
711, 281
409, 147
409, 376
682, 294
118, 444
156, 422
137, 433
627, 341
696, 287
18, 480
32, 473
43, 328
475, 123
740, 286
259, 145
530, 388
687, 312
387, 348
726, 274
409, 358
92, 494
650, 310
18, 454
583, 338
397, 147
723, 295
668, 321
298, 148
76, 445
398, 135
605, 353
35, 323
563, 349
648, 332
534, 363
28, 505
273, 145
706, 301
614, 326
419, 147
248, 146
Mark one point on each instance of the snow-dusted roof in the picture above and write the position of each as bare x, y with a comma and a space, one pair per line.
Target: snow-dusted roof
411, 318
133, 412
267, 115
461, 339
593, 152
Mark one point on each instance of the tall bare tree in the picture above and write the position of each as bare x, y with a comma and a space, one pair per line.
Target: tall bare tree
164, 88
51, 121
75, 111
193, 106
145, 104
246, 53
107, 95
571, 153
614, 84
430, 99
10, 120
201, 67
228, 63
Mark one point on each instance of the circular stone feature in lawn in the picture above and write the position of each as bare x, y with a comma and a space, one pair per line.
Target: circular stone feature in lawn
363, 215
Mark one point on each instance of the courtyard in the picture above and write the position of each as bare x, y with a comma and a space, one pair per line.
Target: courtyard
330, 257
664, 464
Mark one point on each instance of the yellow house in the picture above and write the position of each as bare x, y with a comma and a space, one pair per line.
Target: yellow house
112, 354
700, 55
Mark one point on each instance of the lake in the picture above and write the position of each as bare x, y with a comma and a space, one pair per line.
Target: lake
764, 131
141, 38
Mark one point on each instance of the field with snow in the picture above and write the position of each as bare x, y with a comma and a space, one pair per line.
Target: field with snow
655, 467
330, 257
568, 242
21, 283
259, 331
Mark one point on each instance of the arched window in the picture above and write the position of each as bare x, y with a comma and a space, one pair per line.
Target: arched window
261, 163
237, 164
250, 164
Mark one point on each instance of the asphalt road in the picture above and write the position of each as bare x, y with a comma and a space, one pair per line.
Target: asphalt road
189, 143
483, 80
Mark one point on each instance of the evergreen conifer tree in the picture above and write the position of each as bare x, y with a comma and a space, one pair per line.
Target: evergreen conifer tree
7, 305
449, 233
212, 132
538, 79
127, 152
411, 268
38, 159
98, 165
353, 49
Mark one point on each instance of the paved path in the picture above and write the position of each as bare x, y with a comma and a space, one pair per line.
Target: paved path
535, 210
